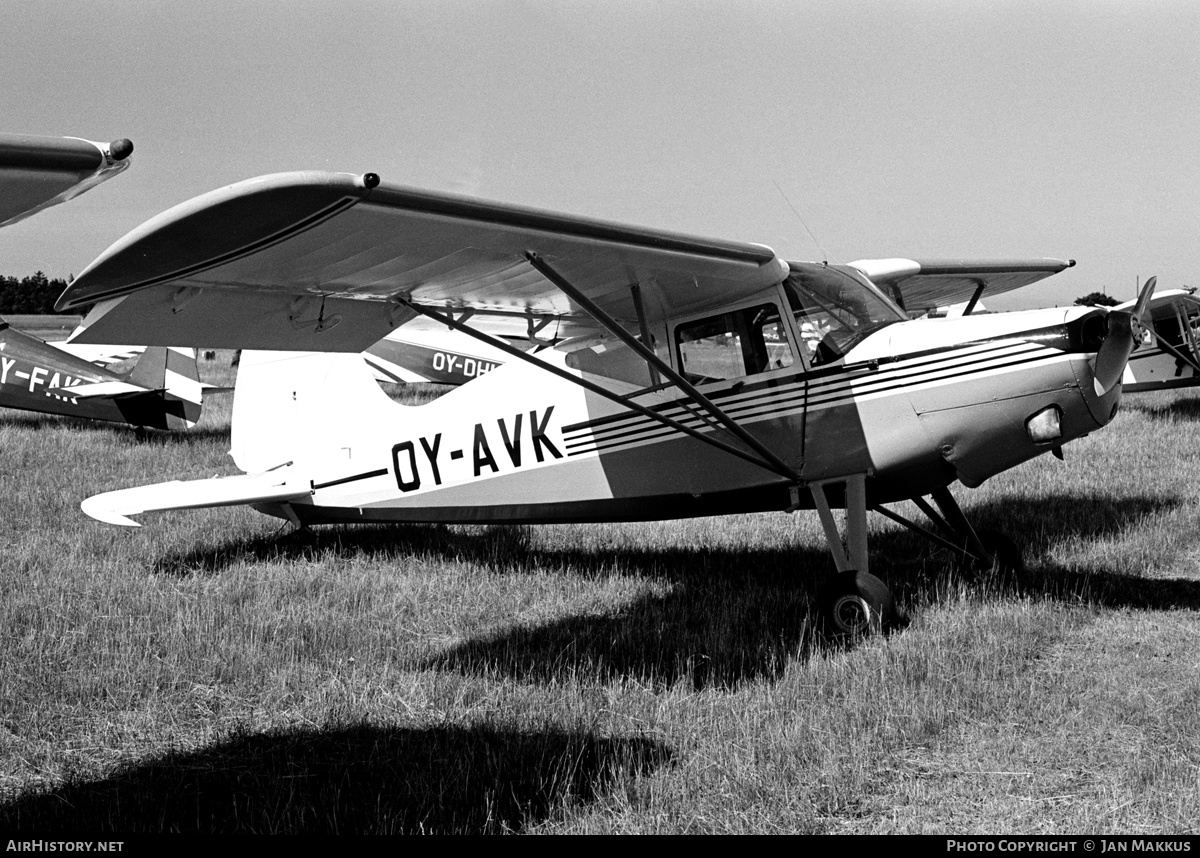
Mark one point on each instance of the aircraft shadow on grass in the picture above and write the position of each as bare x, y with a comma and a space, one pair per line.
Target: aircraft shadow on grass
1183, 408
33, 421
731, 615
355, 780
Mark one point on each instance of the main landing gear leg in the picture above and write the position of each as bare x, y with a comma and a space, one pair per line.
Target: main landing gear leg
855, 602
989, 552
995, 555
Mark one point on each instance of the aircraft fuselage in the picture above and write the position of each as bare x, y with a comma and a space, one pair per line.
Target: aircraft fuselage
36, 376
914, 406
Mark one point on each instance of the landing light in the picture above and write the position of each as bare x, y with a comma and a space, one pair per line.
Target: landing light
1045, 426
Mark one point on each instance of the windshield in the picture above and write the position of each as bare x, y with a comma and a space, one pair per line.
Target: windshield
835, 309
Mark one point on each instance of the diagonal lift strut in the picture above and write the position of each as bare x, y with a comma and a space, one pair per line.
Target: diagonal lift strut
655, 362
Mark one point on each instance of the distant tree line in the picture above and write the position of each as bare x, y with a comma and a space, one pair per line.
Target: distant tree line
33, 295
1097, 299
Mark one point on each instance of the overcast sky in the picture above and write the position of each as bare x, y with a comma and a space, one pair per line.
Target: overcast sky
918, 129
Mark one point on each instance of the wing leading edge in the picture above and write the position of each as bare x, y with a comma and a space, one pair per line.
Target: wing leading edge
314, 261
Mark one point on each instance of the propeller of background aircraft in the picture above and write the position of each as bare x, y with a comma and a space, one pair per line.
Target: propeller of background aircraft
1126, 330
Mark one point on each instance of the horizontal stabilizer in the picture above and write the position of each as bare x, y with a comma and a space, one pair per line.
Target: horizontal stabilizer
270, 487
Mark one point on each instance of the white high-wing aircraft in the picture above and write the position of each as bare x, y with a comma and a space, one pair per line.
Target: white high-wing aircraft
701, 377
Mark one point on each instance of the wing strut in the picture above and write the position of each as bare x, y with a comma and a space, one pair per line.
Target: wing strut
654, 361
975, 298
636, 291
1178, 354
450, 322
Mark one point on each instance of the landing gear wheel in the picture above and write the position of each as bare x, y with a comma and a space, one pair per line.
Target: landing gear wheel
1007, 568
858, 604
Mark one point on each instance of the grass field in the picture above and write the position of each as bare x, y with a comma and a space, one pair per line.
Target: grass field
46, 327
215, 671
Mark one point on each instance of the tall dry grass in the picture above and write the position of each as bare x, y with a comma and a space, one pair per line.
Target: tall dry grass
215, 671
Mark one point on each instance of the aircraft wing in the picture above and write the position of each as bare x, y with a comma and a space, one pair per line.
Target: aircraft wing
39, 172
270, 487
325, 262
921, 285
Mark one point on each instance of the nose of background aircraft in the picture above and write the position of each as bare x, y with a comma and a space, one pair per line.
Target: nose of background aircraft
1124, 331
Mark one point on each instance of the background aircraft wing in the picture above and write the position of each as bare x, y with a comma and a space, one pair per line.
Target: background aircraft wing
39, 172
922, 285
100, 355
316, 261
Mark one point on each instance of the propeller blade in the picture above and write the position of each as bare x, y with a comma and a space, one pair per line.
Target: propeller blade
1144, 301
1126, 331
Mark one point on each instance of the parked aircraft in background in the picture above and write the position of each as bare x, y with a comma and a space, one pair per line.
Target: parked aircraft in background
433, 353
1172, 356
929, 286
39, 172
101, 355
699, 376
162, 389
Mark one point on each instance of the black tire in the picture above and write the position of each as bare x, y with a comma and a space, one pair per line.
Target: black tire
858, 604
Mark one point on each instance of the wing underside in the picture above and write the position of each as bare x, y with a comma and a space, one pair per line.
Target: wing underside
328, 262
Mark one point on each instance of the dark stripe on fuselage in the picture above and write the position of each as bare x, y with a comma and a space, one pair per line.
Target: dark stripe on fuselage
382, 370
825, 377
757, 499
780, 394
382, 472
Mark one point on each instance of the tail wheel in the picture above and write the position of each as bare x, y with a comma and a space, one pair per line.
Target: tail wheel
858, 604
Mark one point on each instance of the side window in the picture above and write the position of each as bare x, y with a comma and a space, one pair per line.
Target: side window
732, 345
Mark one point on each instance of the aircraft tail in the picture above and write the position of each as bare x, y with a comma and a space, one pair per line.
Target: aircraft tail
291, 406
292, 412
172, 375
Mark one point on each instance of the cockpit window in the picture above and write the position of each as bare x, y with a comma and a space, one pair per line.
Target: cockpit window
734, 344
835, 310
